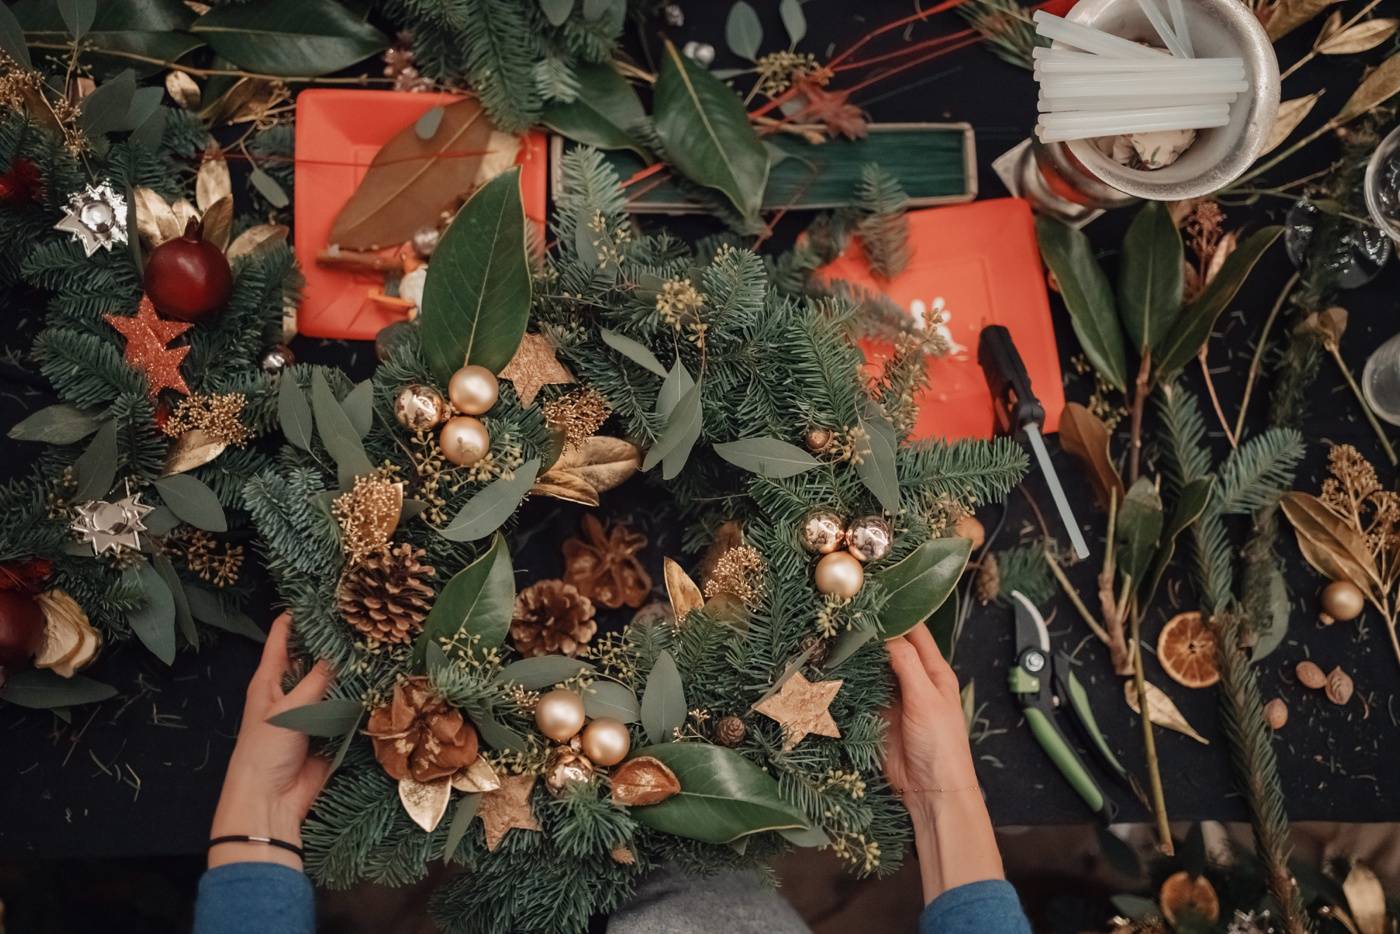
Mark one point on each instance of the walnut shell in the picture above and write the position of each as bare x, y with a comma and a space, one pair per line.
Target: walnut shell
1276, 713
1339, 686
1310, 675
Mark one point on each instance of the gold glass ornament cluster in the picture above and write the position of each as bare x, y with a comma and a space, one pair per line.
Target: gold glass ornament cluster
584, 745
471, 391
844, 547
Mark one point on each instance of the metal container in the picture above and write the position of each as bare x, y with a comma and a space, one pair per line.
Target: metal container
1219, 28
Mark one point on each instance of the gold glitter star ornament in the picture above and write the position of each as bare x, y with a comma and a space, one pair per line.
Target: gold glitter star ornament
112, 526
507, 807
533, 367
96, 217
801, 708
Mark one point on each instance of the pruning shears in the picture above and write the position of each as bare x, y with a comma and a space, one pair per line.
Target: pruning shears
1042, 681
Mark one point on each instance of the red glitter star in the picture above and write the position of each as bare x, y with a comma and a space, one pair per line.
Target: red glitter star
146, 337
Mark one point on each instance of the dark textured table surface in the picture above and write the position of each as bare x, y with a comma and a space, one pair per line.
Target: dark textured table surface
139, 775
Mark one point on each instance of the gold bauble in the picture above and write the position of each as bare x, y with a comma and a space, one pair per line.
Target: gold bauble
1342, 600
818, 439
464, 440
839, 574
869, 538
606, 741
566, 768
419, 408
473, 390
559, 715
822, 532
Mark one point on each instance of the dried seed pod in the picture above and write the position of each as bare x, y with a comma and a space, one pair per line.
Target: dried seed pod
642, 781
1339, 686
1276, 713
730, 731
1310, 675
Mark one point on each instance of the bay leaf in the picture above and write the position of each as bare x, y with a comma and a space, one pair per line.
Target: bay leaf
1084, 436
96, 467
1359, 37
478, 600
155, 218
1287, 15
56, 424
190, 499
154, 620
542, 671
606, 114
413, 179
610, 699
248, 242
425, 802
918, 584
1290, 114
681, 590
1161, 710
212, 181
1087, 295
1139, 530
876, 449
1150, 277
1379, 85
327, 718
1330, 545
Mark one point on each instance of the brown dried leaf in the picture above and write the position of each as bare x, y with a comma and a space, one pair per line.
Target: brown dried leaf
1287, 15
425, 802
1290, 114
1084, 435
642, 781
194, 448
412, 180
1375, 89
1330, 545
155, 218
1339, 686
1161, 710
566, 486
683, 592
1366, 34
604, 463
1330, 25
218, 222
477, 778
1366, 899
184, 213
182, 90
250, 240
1223, 249
212, 181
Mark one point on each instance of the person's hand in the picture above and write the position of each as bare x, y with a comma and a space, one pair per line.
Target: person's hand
271, 780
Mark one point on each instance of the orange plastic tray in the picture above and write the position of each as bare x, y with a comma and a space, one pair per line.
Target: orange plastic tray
338, 134
983, 261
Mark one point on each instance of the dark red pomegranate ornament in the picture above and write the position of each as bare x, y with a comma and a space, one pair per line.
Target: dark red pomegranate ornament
21, 628
187, 277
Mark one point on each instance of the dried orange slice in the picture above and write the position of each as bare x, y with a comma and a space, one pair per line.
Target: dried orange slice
1181, 894
1187, 650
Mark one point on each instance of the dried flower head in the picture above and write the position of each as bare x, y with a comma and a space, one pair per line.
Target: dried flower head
367, 515
220, 415
577, 414
211, 560
778, 71
679, 303
739, 573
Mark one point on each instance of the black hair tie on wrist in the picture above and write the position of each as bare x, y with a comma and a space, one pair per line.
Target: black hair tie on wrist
268, 841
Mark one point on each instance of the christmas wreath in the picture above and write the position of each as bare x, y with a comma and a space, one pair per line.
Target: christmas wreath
154, 319
491, 728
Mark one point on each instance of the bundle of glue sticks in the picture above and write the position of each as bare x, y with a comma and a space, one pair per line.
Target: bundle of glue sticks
1116, 86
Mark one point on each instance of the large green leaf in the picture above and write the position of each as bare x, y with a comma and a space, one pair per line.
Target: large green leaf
56, 424
918, 584
489, 509
150, 28
190, 499
1192, 502
707, 134
277, 37
478, 600
1087, 295
767, 457
1149, 281
1198, 318
42, 689
476, 299
663, 700
723, 796
12, 38
606, 113
154, 620
1139, 530
334, 717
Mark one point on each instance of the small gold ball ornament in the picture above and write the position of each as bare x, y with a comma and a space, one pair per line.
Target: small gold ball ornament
1341, 601
818, 439
869, 538
419, 408
839, 574
606, 741
473, 390
464, 440
566, 767
559, 715
822, 532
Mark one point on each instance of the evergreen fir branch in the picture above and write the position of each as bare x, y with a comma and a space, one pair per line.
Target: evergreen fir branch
555, 80
1186, 457
1258, 472
85, 369
972, 472
883, 227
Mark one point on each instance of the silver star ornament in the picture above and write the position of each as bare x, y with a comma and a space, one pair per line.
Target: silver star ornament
96, 217
112, 526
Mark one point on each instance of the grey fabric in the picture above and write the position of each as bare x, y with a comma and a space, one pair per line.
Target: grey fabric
672, 902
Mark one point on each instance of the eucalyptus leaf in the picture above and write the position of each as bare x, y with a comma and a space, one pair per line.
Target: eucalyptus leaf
161, 521
96, 467
210, 610
663, 700
707, 134
767, 457
1190, 505
919, 583
876, 450
683, 425
144, 104
189, 498
184, 619
1087, 296
742, 30
105, 110
275, 37
846, 645
334, 717
496, 734
336, 431
610, 699
556, 11
147, 135
723, 798
606, 113
489, 509
1269, 609
635, 351
294, 411
1139, 530
153, 621
794, 20
1150, 280
427, 125
543, 671
77, 15
56, 424
268, 187
12, 38
478, 600
44, 689
359, 407
434, 658
343, 749
476, 299
457, 829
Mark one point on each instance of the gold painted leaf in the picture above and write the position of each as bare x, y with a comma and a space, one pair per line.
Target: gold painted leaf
1366, 899
155, 218
1366, 34
1330, 25
218, 222
251, 239
642, 781
184, 213
1290, 114
683, 592
1287, 15
194, 448
1331, 546
182, 90
1084, 435
1161, 710
477, 778
412, 180
1375, 89
565, 485
425, 802
212, 181
605, 463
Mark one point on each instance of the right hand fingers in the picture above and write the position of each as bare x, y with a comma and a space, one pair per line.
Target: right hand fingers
939, 671
914, 683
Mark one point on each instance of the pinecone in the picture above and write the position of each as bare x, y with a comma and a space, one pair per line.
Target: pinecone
730, 731
386, 596
552, 618
987, 584
820, 647
417, 735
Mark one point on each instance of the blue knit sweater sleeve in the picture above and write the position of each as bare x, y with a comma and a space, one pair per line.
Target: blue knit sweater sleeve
989, 907
263, 897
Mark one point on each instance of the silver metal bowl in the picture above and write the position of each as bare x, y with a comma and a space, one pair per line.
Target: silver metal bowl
1219, 28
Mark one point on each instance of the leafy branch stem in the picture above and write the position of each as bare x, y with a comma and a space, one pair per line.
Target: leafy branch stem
1335, 351
1140, 390
1257, 360
1313, 52
1149, 742
1231, 436
219, 72
1074, 597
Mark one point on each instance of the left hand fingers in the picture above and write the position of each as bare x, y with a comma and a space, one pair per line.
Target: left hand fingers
312, 687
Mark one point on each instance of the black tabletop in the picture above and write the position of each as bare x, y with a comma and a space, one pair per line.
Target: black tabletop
139, 775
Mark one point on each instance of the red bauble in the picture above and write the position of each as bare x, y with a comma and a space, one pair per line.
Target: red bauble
188, 278
21, 628
21, 183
